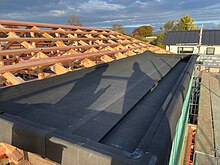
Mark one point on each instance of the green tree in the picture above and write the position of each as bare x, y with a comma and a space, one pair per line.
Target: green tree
138, 38
143, 31
159, 41
118, 28
186, 23
171, 25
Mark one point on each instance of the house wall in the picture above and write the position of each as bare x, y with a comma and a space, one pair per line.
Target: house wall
217, 49
174, 48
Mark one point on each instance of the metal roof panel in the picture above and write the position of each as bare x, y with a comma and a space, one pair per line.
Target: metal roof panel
210, 37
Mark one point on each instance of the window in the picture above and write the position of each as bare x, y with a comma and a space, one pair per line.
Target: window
210, 51
185, 50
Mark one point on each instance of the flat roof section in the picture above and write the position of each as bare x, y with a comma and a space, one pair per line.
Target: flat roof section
208, 130
122, 112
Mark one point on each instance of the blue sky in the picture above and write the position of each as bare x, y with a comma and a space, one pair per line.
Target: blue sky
103, 13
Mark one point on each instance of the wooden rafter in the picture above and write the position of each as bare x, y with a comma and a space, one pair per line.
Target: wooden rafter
33, 49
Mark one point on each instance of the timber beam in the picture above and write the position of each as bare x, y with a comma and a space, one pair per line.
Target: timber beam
39, 50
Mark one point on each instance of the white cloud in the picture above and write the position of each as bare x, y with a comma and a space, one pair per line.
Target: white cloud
93, 5
14, 15
73, 9
215, 22
57, 13
22, 15
141, 3
111, 21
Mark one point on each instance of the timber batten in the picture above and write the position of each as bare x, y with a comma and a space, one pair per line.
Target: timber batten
30, 51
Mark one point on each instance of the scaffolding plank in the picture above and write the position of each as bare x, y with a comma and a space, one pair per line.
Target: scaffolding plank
215, 100
204, 135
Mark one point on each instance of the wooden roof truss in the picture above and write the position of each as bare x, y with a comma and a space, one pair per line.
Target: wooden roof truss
30, 51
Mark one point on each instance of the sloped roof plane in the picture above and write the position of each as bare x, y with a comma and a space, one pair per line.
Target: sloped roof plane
31, 51
209, 37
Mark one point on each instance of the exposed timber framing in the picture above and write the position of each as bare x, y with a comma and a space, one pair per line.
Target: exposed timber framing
39, 50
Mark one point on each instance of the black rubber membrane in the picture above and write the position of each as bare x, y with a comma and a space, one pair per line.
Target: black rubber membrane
123, 112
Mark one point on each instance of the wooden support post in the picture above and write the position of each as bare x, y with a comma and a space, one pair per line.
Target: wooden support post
126, 41
34, 44
110, 48
106, 58
112, 36
102, 36
12, 79
142, 44
140, 50
130, 53
73, 51
93, 31
39, 55
6, 161
99, 42
57, 35
60, 47
46, 35
120, 56
135, 45
89, 36
42, 55
70, 65
9, 43
119, 47
71, 36
60, 43
32, 34
82, 42
92, 50
24, 43
35, 159
112, 42
1, 61
121, 41
2, 151
24, 162
12, 153
87, 63
40, 73
130, 46
59, 69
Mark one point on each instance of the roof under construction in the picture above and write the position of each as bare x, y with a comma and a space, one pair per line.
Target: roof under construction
100, 98
30, 51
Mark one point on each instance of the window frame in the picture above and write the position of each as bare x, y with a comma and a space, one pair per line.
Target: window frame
182, 47
210, 53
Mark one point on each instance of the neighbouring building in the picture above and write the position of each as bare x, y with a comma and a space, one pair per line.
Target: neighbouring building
187, 42
151, 38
